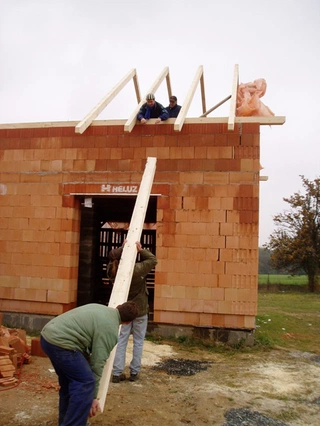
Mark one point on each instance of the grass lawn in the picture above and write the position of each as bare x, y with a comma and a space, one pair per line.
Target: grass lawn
283, 279
289, 320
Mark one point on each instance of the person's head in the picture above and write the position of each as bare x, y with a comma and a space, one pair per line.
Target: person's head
114, 257
173, 101
112, 269
150, 98
128, 311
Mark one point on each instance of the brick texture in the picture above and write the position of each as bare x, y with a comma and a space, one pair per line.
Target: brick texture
207, 217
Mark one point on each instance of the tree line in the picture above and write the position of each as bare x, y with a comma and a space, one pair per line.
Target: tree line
294, 246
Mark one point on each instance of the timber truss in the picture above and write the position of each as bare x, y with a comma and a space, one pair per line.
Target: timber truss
181, 119
178, 122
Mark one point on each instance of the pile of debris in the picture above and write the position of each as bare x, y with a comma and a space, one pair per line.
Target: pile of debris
14, 351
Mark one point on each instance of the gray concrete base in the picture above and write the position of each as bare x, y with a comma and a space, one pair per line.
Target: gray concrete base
224, 335
33, 324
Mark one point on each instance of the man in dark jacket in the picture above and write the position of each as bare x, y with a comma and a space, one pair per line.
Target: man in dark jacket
152, 109
138, 293
173, 108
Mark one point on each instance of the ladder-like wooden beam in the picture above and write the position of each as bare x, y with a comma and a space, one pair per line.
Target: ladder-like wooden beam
178, 124
122, 282
233, 103
130, 123
85, 123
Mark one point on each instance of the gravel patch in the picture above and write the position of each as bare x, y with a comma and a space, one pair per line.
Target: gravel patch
182, 367
245, 417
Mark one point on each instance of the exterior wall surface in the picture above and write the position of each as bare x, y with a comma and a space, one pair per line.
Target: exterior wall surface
207, 215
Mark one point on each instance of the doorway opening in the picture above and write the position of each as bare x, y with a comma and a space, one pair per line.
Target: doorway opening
104, 226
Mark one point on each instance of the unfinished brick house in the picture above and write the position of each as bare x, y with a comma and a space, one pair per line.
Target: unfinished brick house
68, 191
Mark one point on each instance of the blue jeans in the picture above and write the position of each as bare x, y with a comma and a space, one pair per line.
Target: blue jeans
77, 384
139, 328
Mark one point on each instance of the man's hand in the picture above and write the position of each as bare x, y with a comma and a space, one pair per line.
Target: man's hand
143, 121
139, 246
95, 408
158, 120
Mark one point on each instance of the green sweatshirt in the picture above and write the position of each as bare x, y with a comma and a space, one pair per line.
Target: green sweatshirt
92, 329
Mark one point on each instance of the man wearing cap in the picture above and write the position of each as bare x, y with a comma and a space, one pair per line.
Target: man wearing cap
173, 108
152, 109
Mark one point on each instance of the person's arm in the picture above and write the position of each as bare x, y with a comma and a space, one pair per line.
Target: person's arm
95, 408
164, 113
102, 345
141, 113
148, 262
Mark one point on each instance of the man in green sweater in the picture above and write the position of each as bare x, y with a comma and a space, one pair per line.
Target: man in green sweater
78, 344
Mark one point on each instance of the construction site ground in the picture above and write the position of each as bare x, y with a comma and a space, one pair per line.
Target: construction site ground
185, 385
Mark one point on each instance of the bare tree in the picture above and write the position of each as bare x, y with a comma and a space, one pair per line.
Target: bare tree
295, 244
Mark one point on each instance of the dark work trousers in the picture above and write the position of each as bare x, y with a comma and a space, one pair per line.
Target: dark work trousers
76, 381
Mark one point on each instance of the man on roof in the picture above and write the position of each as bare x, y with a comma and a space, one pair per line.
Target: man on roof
173, 108
152, 109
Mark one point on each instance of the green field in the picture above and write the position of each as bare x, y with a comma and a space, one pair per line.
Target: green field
283, 279
289, 320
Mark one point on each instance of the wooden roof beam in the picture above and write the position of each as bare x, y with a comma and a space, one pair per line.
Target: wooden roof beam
233, 102
216, 106
178, 124
130, 123
85, 123
169, 85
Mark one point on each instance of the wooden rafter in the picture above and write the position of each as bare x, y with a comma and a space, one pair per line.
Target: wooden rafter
216, 106
203, 95
122, 282
178, 124
85, 123
233, 103
130, 123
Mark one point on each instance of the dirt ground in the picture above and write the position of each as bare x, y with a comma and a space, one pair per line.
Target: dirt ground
281, 386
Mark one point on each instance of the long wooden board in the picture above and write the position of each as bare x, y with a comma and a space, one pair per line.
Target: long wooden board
122, 282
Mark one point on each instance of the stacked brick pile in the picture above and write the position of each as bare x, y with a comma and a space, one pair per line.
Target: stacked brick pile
14, 351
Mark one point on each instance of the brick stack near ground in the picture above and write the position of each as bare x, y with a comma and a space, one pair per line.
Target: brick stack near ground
14, 352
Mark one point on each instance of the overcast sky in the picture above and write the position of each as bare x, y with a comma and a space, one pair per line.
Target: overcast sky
59, 58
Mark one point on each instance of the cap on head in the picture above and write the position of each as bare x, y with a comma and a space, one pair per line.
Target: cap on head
173, 98
150, 97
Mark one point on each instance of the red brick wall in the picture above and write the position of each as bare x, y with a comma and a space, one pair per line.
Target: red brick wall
207, 217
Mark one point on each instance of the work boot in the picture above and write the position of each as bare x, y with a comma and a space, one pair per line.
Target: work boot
133, 377
118, 379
